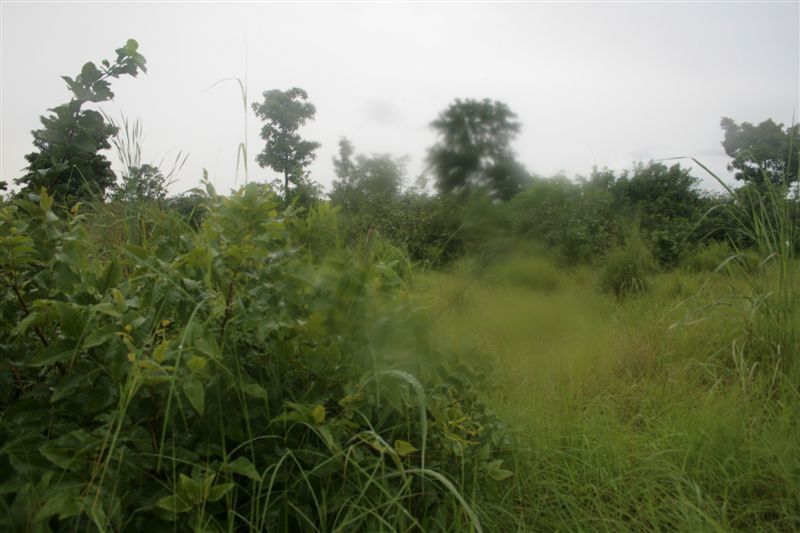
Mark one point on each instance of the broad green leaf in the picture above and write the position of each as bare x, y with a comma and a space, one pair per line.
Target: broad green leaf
160, 351
24, 324
253, 389
218, 491
500, 474
98, 516
208, 346
111, 276
55, 353
45, 200
99, 336
496, 473
403, 448
243, 466
107, 308
193, 490
60, 456
196, 363
195, 393
173, 504
64, 503
71, 317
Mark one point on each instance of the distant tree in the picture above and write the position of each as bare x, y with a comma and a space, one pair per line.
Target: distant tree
474, 149
190, 205
142, 183
766, 150
67, 161
366, 182
379, 176
343, 166
285, 151
654, 189
667, 203
344, 169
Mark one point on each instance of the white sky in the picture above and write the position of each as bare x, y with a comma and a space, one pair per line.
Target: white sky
599, 83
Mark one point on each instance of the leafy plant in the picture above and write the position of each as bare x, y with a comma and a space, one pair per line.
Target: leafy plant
67, 163
229, 378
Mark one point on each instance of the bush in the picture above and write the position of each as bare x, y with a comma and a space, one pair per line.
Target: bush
227, 379
628, 268
575, 221
708, 257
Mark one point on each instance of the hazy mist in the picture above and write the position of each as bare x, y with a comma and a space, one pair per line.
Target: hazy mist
592, 84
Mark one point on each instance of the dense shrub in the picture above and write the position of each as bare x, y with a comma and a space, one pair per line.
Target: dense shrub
237, 377
576, 221
628, 268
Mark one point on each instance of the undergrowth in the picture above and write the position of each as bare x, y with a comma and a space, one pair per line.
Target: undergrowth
242, 376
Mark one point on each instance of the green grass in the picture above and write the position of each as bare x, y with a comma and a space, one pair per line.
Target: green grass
649, 413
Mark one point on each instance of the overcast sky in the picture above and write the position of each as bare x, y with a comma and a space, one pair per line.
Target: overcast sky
592, 84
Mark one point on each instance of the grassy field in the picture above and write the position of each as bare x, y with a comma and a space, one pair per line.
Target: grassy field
665, 411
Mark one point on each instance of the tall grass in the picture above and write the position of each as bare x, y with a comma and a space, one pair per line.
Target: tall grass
622, 422
768, 217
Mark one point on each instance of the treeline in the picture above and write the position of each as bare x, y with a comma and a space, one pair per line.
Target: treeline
483, 195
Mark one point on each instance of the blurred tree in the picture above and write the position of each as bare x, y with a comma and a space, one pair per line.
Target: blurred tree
285, 151
344, 168
667, 203
474, 149
142, 183
67, 162
766, 150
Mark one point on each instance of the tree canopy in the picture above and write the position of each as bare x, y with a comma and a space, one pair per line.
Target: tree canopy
67, 162
474, 149
767, 150
366, 179
285, 152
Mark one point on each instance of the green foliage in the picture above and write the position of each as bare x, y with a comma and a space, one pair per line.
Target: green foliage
709, 257
285, 152
190, 205
575, 220
474, 149
67, 163
229, 378
144, 183
764, 152
767, 219
666, 203
628, 268
369, 180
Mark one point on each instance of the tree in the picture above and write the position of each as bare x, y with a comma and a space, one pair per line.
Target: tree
67, 162
344, 169
666, 202
474, 149
143, 183
366, 182
285, 151
766, 150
